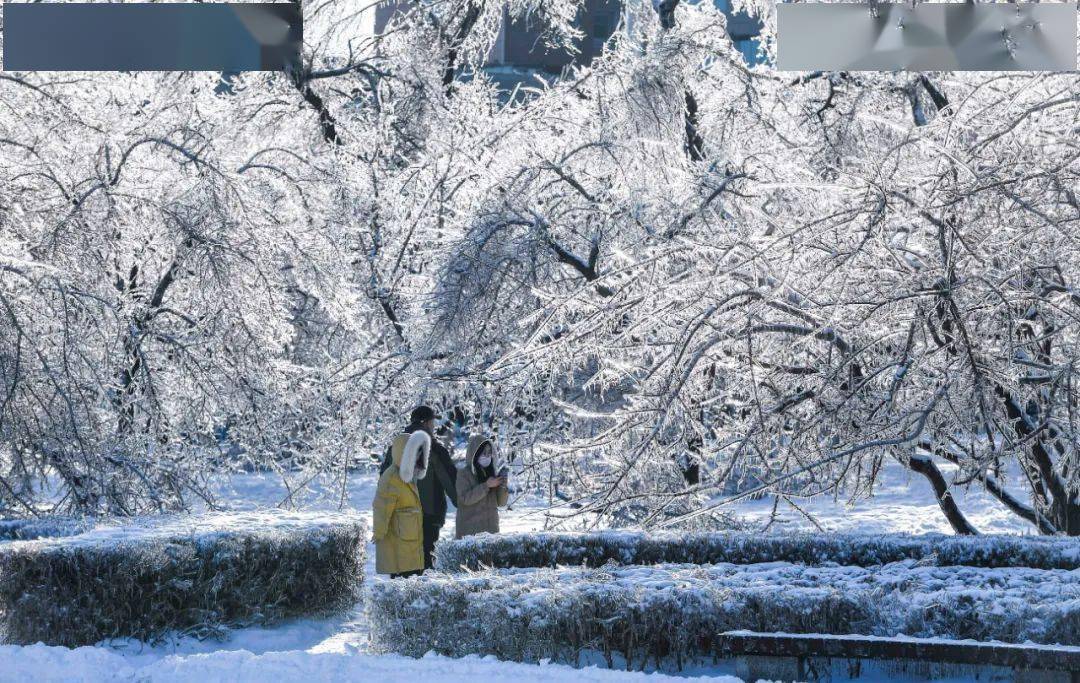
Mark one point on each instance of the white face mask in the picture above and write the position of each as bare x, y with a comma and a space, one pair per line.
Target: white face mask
483, 460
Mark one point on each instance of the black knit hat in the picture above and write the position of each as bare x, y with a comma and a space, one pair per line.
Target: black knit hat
421, 414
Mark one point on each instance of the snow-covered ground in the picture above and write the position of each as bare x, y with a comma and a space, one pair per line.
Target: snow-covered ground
903, 502
60, 665
336, 648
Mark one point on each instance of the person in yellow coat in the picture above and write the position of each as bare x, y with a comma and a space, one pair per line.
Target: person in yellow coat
398, 517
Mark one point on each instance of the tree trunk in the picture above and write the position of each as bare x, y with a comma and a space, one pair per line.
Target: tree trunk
694, 143
926, 467
472, 14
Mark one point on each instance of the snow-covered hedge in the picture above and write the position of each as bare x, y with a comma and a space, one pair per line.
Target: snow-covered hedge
551, 549
194, 574
41, 527
669, 614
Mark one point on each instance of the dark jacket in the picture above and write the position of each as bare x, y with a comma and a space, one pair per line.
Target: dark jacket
440, 482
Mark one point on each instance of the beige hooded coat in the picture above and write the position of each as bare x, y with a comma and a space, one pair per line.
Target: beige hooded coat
478, 505
398, 518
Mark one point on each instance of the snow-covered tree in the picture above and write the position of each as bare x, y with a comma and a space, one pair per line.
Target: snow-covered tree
666, 279
849, 268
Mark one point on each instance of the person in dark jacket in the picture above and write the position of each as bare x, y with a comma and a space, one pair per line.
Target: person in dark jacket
440, 482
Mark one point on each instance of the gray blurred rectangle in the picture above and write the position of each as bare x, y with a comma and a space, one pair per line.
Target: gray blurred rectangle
69, 36
1023, 36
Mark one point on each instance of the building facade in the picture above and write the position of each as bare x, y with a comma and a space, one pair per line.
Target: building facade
521, 45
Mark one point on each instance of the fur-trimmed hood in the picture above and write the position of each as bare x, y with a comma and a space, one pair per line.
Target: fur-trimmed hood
416, 447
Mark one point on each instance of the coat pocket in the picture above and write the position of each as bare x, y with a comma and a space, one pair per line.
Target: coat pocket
408, 524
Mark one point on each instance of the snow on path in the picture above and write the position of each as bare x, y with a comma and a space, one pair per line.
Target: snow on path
57, 664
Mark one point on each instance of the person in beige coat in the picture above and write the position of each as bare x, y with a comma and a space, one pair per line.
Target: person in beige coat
480, 490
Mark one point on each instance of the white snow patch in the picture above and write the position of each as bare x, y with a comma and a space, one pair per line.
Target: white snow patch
46, 664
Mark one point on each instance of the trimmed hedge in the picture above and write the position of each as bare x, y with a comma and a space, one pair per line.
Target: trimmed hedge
192, 574
552, 549
43, 527
669, 615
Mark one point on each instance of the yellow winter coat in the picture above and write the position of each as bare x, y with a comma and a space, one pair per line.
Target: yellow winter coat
398, 518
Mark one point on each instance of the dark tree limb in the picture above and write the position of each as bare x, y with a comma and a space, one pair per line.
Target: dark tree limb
925, 466
939, 99
997, 490
587, 270
301, 79
472, 14
327, 123
695, 143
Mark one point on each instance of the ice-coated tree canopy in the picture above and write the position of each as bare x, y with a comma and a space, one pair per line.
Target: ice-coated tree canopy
663, 280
